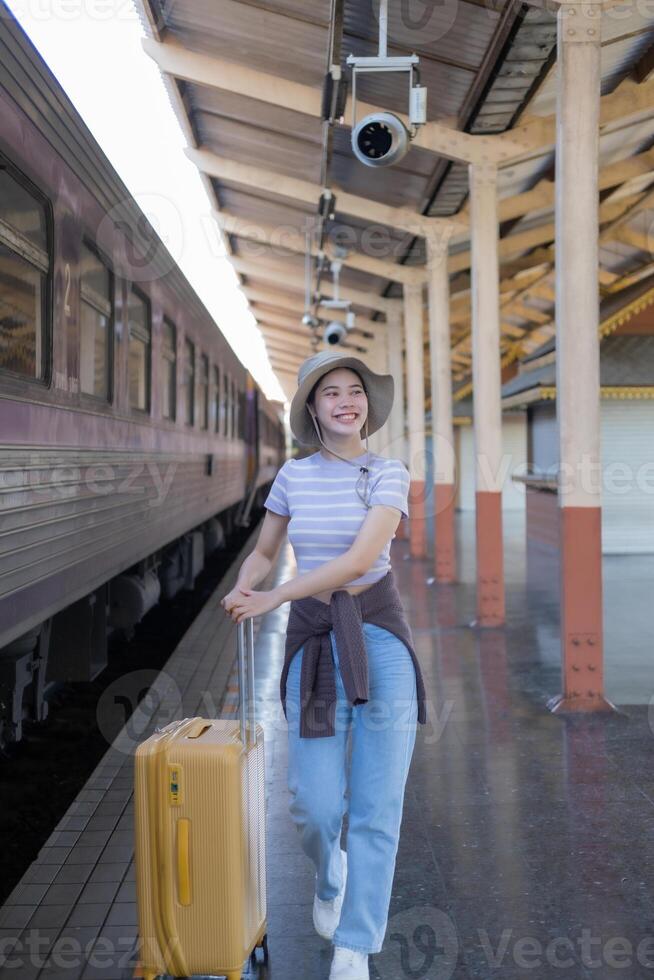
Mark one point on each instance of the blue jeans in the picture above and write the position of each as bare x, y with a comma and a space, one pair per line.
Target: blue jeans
383, 734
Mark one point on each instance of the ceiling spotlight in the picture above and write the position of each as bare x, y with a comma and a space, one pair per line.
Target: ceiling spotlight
334, 332
380, 140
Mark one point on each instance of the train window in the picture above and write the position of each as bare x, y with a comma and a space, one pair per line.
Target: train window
95, 324
24, 267
234, 407
227, 393
237, 410
168, 366
241, 415
217, 381
227, 406
22, 214
189, 382
140, 346
204, 390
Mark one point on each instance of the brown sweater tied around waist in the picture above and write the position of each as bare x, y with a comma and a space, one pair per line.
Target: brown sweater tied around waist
310, 622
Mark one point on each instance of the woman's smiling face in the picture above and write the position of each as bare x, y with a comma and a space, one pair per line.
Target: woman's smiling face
340, 403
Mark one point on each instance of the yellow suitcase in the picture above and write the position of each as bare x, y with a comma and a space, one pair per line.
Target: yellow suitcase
200, 825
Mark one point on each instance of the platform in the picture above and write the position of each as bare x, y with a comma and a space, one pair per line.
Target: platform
526, 839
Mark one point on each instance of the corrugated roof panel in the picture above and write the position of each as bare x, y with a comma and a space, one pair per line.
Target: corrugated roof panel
399, 190
249, 35
288, 38
257, 208
626, 19
293, 265
626, 34
224, 187
619, 57
522, 65
378, 242
452, 191
620, 143
314, 11
447, 84
524, 61
539, 303
378, 233
643, 224
274, 119
452, 30
519, 177
244, 143
401, 185
619, 258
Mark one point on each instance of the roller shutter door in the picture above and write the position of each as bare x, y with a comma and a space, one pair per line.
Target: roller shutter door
628, 486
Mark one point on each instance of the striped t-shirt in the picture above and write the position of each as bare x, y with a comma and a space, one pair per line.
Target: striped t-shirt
325, 510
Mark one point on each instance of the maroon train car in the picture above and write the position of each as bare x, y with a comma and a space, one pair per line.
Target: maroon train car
132, 439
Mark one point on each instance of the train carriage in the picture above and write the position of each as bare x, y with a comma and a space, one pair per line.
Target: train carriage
132, 439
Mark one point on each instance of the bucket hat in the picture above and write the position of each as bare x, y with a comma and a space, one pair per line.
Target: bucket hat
380, 389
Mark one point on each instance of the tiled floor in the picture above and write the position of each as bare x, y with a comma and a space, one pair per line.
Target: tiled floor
527, 844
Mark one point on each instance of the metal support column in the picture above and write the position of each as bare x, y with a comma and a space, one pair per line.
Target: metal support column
395, 366
441, 412
577, 356
413, 325
486, 379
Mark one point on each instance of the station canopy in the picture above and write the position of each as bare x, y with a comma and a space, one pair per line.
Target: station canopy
255, 88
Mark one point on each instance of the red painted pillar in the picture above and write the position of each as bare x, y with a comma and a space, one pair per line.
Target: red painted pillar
577, 361
397, 420
441, 408
413, 325
487, 409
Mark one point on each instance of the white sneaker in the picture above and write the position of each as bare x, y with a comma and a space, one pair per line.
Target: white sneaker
348, 964
327, 912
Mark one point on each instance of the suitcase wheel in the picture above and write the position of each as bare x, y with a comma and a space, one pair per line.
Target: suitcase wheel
259, 954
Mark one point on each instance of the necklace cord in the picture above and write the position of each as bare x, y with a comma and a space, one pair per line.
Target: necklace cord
364, 469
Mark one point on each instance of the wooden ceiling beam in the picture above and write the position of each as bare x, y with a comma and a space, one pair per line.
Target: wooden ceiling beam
280, 356
269, 297
542, 195
643, 71
363, 325
516, 307
292, 363
211, 71
289, 336
637, 239
618, 224
627, 103
283, 277
288, 239
298, 354
280, 185
539, 235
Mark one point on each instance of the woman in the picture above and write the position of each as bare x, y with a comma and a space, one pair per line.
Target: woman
349, 651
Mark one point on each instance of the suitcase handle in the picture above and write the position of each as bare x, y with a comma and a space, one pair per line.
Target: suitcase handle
245, 647
198, 729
